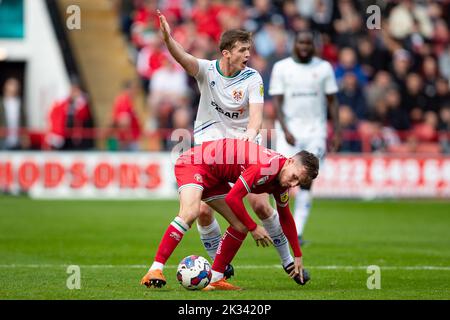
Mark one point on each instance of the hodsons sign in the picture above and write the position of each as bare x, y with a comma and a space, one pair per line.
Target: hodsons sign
88, 175
100, 175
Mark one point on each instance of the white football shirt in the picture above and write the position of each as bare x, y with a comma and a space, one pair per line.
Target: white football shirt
223, 110
304, 88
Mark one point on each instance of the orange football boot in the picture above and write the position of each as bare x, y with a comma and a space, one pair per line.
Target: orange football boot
154, 278
221, 284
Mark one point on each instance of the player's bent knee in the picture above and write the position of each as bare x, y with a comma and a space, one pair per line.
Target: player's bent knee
263, 210
189, 216
206, 216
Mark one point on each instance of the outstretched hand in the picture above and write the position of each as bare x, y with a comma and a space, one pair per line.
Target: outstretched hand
261, 237
163, 26
298, 269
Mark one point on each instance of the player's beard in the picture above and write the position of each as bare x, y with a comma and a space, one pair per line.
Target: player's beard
304, 58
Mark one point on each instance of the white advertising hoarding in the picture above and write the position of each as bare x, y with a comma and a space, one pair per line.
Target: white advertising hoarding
103, 175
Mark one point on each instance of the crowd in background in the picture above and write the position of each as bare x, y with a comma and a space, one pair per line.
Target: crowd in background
393, 80
393, 72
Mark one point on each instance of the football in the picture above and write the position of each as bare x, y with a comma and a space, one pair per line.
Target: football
194, 272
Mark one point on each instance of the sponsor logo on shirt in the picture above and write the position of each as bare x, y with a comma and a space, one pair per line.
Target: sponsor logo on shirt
284, 197
212, 84
231, 115
261, 90
305, 94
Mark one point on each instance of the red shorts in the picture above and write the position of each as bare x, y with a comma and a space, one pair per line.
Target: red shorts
199, 176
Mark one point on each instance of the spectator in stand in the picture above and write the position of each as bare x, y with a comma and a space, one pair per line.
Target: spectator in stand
348, 63
401, 65
378, 87
205, 15
413, 99
371, 58
444, 63
351, 142
258, 15
430, 75
12, 117
169, 83
444, 128
348, 24
403, 17
182, 121
322, 15
442, 94
70, 120
397, 117
125, 120
411, 52
289, 11
426, 131
441, 37
231, 15
378, 135
299, 24
150, 59
327, 50
352, 96
145, 22
168, 90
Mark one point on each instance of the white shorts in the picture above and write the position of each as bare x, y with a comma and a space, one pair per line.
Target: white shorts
316, 146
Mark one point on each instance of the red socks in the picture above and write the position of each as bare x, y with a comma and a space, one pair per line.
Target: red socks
228, 247
171, 239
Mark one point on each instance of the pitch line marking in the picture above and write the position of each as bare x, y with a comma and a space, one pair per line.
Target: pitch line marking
139, 266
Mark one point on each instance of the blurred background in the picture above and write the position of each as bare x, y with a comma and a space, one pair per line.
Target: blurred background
95, 77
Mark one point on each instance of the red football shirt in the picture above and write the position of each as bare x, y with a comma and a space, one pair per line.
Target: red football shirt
252, 169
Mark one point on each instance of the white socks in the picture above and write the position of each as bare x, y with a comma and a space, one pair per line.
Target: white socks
302, 208
210, 237
157, 265
273, 227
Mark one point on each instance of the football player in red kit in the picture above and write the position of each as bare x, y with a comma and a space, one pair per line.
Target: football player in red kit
204, 173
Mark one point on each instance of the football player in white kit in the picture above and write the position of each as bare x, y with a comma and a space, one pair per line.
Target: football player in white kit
231, 106
302, 87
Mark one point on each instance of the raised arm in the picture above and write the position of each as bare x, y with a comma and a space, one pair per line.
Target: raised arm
187, 61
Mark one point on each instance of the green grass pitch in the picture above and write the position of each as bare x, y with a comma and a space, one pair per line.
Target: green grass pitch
113, 242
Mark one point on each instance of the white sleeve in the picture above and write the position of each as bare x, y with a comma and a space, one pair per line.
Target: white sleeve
330, 85
202, 69
276, 86
256, 90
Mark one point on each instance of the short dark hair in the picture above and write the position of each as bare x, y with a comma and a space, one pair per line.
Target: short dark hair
307, 32
229, 38
310, 161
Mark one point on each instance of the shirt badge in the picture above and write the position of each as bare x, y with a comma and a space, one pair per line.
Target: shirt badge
284, 197
198, 177
237, 95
